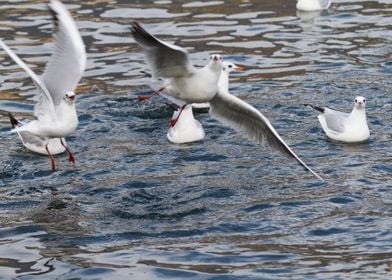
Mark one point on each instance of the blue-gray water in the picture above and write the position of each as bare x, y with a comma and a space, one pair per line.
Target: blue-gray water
138, 207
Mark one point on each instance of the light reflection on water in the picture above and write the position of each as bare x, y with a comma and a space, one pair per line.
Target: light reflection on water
136, 206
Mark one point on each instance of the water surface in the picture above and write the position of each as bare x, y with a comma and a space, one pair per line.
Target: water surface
138, 207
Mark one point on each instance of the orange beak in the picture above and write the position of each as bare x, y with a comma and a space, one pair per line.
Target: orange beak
239, 68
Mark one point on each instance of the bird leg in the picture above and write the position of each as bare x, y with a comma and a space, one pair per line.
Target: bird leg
70, 155
173, 122
53, 162
147, 97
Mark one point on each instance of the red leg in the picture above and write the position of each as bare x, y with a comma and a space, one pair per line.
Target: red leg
53, 162
70, 155
173, 122
147, 97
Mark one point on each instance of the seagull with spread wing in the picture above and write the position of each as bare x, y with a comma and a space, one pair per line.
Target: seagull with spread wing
55, 110
188, 84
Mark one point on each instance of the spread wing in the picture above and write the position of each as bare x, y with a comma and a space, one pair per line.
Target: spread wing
165, 60
244, 118
68, 61
47, 110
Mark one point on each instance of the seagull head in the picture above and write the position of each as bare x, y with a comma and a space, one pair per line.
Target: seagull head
360, 102
69, 97
230, 66
216, 62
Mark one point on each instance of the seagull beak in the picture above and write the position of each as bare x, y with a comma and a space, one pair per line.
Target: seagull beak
239, 68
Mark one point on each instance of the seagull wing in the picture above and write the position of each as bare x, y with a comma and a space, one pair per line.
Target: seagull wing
165, 60
68, 61
242, 117
45, 102
335, 120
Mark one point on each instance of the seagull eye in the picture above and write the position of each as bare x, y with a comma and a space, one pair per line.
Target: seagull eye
230, 66
364, 100
356, 101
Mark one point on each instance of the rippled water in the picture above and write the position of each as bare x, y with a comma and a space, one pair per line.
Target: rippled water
137, 207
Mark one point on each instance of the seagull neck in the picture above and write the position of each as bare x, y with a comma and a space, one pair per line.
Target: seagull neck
223, 81
215, 67
358, 113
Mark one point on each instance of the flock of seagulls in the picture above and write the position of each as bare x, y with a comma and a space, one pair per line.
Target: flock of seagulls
184, 84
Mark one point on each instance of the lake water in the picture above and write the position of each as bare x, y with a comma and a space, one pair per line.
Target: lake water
137, 207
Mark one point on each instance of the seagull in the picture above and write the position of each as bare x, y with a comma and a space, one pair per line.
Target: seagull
187, 128
313, 5
55, 110
227, 68
191, 85
183, 83
345, 127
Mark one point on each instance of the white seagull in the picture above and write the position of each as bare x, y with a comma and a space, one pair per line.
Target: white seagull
190, 85
345, 127
183, 83
187, 128
313, 5
55, 109
227, 68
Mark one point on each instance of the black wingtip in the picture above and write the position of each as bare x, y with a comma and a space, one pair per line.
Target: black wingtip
146, 74
322, 110
54, 16
14, 122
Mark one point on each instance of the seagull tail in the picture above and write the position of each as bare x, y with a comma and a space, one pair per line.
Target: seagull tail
14, 122
322, 110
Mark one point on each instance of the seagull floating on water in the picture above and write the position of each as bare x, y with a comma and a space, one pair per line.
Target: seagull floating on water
313, 5
345, 127
187, 128
55, 109
191, 85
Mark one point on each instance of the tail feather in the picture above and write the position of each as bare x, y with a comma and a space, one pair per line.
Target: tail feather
322, 110
14, 122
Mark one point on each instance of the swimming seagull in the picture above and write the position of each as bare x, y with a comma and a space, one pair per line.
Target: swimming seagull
313, 5
345, 127
55, 109
191, 85
187, 128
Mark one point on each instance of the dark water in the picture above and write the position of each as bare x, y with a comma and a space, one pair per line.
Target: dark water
137, 207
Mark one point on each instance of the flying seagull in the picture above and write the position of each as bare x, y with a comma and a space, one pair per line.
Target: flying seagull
55, 109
